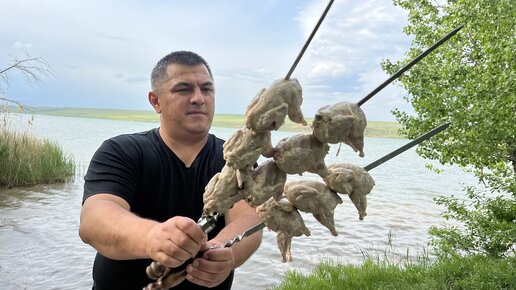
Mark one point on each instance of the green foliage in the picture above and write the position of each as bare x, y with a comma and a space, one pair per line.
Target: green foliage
25, 160
488, 226
469, 81
472, 272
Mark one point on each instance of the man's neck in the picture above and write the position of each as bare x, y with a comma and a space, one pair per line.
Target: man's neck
187, 147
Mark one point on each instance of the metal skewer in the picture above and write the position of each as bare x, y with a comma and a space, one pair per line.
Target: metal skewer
409, 65
158, 272
293, 67
173, 276
245, 234
407, 146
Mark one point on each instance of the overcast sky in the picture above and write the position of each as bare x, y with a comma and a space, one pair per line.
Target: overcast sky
102, 52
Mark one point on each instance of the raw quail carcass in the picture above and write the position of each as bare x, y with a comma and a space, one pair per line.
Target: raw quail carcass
282, 216
244, 148
352, 180
300, 153
284, 242
268, 109
316, 198
341, 122
224, 189
268, 181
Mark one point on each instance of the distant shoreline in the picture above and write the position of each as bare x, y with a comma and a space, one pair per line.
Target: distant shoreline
377, 129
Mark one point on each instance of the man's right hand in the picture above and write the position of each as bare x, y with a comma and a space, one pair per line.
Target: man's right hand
174, 241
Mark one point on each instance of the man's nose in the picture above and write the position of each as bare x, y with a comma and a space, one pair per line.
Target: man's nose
197, 97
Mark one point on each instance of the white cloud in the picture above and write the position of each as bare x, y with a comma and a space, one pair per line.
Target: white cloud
327, 68
22, 45
355, 35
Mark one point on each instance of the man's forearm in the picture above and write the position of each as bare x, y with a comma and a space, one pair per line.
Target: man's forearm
114, 231
239, 219
245, 248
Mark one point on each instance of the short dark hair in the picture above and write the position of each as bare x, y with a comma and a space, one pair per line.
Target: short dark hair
183, 57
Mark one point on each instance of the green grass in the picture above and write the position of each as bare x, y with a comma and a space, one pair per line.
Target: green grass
113, 114
380, 129
26, 160
470, 272
374, 128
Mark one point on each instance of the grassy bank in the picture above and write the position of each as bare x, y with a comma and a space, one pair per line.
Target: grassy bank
472, 272
374, 128
26, 160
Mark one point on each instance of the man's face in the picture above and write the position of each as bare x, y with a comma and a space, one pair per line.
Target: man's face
186, 100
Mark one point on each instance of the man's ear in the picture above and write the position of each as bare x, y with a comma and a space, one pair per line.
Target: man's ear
154, 101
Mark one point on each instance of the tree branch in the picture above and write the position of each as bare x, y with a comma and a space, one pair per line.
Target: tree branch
32, 68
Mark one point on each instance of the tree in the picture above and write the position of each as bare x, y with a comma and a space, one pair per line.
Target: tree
469, 81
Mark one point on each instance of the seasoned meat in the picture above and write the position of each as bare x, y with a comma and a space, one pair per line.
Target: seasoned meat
341, 122
351, 180
244, 148
300, 153
268, 109
316, 198
284, 242
224, 189
282, 216
268, 181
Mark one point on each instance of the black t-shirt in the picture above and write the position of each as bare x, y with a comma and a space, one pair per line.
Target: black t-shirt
142, 170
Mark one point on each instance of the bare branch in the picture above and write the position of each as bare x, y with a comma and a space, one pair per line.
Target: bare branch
21, 106
32, 68
5, 99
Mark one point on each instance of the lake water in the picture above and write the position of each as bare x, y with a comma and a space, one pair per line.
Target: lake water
40, 247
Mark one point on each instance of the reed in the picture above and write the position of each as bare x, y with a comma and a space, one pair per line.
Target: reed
27, 160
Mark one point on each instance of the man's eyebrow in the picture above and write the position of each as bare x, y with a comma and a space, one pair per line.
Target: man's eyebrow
183, 84
187, 84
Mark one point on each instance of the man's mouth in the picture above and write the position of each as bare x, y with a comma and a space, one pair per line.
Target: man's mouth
196, 112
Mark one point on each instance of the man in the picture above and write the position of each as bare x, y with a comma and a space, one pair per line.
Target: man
143, 191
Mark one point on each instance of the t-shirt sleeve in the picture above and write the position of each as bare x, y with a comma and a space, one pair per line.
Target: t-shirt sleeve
113, 169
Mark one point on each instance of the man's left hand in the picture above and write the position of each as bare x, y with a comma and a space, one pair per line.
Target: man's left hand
212, 268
